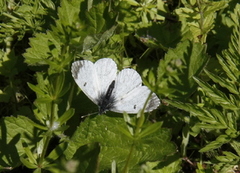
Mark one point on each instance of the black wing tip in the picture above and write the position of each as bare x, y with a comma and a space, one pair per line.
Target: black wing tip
75, 68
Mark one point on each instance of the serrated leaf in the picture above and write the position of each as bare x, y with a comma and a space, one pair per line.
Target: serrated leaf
229, 69
179, 66
40, 51
95, 18
68, 12
216, 95
116, 146
211, 126
201, 113
223, 82
222, 139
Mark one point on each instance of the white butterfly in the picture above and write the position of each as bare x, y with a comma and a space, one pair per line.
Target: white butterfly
112, 91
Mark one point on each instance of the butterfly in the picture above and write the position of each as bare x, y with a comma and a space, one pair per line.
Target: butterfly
112, 91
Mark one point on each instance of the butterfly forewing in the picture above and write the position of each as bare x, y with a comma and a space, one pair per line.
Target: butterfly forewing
126, 81
106, 71
85, 76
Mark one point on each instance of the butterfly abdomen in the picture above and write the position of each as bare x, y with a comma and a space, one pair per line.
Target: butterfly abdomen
106, 100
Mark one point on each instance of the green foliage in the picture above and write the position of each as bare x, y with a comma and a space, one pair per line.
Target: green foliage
117, 144
218, 111
176, 46
178, 67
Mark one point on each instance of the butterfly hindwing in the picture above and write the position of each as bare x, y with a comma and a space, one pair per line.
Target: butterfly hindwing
131, 95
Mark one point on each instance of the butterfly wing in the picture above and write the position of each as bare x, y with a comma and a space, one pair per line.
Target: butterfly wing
94, 78
131, 95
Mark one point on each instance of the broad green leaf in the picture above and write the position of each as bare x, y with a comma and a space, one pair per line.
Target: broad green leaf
115, 145
68, 12
40, 51
95, 18
15, 131
176, 71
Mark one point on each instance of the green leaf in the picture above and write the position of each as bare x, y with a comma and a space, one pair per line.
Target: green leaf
36, 89
28, 164
210, 118
7, 64
66, 116
68, 12
30, 156
199, 17
15, 131
222, 139
223, 82
116, 146
40, 50
54, 155
216, 95
176, 71
150, 129
95, 19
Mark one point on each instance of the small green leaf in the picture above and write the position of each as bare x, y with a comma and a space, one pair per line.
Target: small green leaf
36, 89
66, 116
28, 164
150, 129
29, 154
216, 95
54, 155
223, 82
222, 139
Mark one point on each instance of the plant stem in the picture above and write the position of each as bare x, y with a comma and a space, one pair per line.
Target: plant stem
48, 136
125, 169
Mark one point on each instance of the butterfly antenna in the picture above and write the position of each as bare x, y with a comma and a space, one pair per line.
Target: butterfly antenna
84, 116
